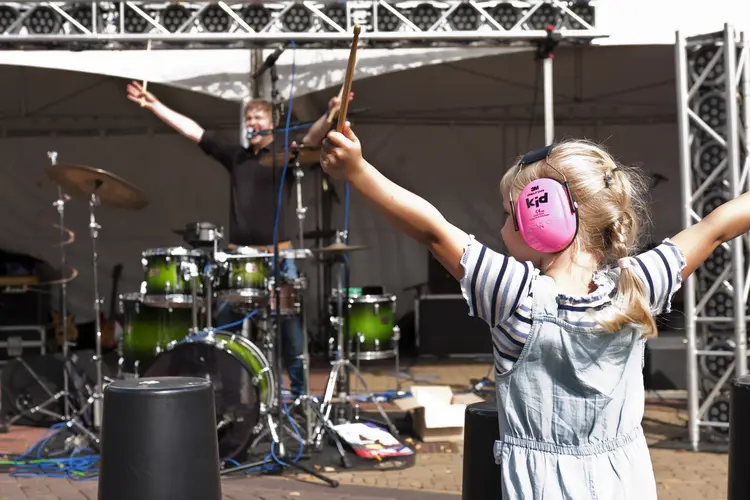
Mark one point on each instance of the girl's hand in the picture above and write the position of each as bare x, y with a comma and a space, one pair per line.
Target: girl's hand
341, 154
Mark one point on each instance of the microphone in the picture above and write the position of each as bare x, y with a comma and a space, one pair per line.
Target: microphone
270, 61
251, 132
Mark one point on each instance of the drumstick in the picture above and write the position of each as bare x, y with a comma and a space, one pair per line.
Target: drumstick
145, 82
347, 88
332, 113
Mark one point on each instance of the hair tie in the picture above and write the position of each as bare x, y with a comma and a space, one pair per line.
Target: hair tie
625, 263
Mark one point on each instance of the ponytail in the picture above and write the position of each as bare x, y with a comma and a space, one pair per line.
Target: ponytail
631, 305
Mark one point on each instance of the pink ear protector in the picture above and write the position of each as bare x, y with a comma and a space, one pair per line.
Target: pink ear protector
545, 214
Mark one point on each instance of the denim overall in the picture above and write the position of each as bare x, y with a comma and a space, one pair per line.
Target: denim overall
570, 412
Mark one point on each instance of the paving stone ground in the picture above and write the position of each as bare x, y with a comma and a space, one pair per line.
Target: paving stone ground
680, 474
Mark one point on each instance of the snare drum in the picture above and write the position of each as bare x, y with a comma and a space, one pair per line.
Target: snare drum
147, 331
166, 276
243, 275
372, 321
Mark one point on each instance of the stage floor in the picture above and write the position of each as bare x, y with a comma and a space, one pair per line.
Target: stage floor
437, 473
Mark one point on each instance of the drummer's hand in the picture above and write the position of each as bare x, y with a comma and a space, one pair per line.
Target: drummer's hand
137, 94
335, 102
341, 154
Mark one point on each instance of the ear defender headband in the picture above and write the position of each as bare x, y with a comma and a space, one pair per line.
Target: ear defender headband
545, 213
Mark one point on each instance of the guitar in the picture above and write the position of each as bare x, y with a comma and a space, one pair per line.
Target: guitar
57, 325
109, 338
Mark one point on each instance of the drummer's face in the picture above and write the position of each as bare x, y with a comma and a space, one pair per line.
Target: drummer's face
258, 119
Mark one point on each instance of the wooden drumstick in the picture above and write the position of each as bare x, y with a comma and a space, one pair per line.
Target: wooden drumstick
145, 82
347, 88
333, 112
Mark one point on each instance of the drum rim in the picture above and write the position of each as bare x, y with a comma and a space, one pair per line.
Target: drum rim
369, 298
243, 252
130, 297
173, 300
178, 251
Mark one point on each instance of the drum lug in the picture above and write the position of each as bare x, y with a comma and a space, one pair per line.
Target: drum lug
396, 333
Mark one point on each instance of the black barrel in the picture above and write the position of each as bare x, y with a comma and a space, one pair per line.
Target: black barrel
159, 440
482, 476
739, 439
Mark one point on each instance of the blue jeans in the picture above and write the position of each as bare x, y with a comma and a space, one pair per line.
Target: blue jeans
292, 338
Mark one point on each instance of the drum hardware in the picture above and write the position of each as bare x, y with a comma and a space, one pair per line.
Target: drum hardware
73, 418
301, 210
98, 187
342, 364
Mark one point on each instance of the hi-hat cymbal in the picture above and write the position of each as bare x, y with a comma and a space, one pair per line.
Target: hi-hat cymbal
338, 248
83, 181
304, 155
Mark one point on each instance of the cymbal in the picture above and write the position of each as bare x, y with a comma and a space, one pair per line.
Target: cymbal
82, 181
304, 155
335, 248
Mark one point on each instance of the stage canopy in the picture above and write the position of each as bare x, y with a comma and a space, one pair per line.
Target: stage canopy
445, 123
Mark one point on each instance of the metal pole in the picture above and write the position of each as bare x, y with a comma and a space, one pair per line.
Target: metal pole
549, 105
683, 127
745, 95
733, 157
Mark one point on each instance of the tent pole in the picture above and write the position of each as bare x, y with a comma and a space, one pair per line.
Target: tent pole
549, 106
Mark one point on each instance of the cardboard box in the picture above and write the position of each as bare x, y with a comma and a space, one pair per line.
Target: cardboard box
437, 413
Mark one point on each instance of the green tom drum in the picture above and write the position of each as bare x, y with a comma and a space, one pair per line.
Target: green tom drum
147, 331
243, 275
166, 276
372, 320
244, 389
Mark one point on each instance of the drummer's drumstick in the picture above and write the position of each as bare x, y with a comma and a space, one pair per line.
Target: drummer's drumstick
145, 82
347, 88
332, 113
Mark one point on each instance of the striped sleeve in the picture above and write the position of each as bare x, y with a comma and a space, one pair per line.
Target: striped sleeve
493, 284
660, 270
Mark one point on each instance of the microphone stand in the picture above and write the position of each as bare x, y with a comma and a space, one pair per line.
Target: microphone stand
277, 427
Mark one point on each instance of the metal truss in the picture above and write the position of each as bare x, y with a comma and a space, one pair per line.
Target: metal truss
98, 25
713, 84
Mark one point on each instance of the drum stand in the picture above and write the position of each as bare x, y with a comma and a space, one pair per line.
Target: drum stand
343, 364
70, 417
277, 412
94, 226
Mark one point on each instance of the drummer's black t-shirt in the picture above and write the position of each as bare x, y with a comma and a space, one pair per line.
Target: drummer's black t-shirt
252, 210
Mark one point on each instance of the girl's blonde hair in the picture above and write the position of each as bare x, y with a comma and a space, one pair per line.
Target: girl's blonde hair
611, 209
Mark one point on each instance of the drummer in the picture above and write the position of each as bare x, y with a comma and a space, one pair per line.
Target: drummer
252, 210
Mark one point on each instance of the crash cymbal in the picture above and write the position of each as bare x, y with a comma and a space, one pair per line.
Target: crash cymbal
304, 155
337, 248
82, 181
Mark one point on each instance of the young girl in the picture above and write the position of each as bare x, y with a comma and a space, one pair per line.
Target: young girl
569, 310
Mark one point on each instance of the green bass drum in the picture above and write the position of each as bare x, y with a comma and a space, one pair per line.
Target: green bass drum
147, 331
372, 320
244, 389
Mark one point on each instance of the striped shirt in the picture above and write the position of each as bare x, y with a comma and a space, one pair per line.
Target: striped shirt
498, 290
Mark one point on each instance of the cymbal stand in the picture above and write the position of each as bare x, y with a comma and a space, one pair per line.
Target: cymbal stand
95, 227
342, 365
60, 206
70, 417
301, 210
275, 427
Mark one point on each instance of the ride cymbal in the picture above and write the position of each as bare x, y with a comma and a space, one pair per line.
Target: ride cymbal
82, 181
338, 248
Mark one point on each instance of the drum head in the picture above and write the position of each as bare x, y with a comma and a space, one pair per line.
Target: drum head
236, 398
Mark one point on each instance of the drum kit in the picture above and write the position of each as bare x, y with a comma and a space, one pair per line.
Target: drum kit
168, 331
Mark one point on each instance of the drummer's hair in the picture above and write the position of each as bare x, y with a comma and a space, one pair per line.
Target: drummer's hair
259, 104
